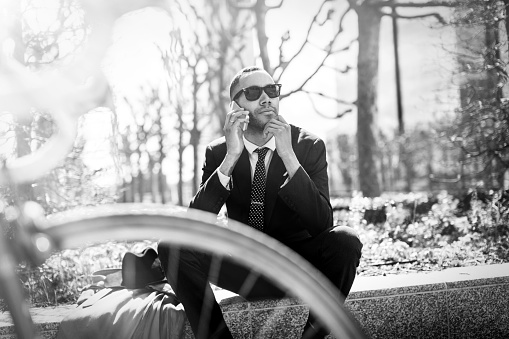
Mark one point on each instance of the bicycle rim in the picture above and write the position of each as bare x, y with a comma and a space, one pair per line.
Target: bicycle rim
198, 230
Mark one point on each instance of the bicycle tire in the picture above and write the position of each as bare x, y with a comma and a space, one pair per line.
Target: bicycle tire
199, 230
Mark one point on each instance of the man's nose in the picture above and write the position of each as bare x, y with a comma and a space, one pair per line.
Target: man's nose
265, 99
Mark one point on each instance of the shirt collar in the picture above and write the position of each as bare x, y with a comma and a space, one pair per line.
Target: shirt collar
250, 147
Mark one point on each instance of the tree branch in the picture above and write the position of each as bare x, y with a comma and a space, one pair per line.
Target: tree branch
323, 95
345, 48
328, 53
431, 3
275, 6
234, 4
339, 70
317, 111
252, 5
399, 16
284, 64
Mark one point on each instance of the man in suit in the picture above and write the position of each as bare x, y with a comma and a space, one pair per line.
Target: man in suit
273, 177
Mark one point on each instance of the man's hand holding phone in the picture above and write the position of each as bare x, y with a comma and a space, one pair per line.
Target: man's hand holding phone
236, 118
244, 119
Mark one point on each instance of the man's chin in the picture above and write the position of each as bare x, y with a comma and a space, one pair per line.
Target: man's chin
257, 127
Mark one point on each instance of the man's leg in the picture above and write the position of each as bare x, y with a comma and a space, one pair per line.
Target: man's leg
246, 282
336, 253
340, 255
189, 273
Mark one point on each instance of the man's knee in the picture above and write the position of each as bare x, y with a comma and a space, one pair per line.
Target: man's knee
345, 240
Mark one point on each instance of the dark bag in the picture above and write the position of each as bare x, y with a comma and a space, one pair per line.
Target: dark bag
140, 270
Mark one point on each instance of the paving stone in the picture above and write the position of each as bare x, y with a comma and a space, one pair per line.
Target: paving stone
421, 315
479, 312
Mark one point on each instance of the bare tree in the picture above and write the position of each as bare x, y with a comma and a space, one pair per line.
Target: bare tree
369, 14
209, 56
143, 148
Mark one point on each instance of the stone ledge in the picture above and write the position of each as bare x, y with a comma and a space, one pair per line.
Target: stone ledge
465, 302
47, 321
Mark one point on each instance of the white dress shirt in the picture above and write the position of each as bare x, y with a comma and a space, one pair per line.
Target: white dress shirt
253, 158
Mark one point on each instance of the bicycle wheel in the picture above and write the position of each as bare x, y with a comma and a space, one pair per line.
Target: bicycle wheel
199, 230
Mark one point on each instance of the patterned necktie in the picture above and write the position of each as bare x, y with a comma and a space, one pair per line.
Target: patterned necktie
258, 192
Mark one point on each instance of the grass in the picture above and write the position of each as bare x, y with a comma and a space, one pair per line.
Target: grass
401, 233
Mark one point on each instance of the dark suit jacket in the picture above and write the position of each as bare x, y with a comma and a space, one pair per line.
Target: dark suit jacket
298, 210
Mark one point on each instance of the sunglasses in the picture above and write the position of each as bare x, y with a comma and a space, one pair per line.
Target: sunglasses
255, 92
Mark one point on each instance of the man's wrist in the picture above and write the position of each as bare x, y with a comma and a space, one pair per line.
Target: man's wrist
291, 163
228, 164
224, 179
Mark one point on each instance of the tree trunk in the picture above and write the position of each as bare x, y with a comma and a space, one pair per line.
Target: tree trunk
369, 35
134, 188
141, 185
260, 12
161, 180
405, 155
195, 136
180, 183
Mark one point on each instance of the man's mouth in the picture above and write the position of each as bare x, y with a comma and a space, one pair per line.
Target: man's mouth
267, 111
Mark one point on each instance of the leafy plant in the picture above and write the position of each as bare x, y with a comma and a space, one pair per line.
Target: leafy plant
422, 232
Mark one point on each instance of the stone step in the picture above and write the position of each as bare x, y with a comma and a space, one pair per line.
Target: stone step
466, 302
463, 302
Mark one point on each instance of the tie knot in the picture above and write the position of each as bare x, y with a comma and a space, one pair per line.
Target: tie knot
262, 152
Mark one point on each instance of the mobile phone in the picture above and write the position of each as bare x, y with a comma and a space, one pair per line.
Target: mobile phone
234, 105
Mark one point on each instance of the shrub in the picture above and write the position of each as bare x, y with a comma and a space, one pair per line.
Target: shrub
428, 232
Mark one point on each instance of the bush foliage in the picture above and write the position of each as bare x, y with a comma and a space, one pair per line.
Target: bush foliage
401, 233
422, 232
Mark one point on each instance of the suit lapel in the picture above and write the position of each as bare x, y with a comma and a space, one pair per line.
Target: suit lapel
275, 178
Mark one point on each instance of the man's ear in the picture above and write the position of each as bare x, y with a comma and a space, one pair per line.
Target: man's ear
234, 105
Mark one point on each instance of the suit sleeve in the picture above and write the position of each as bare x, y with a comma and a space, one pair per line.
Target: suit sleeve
307, 193
211, 195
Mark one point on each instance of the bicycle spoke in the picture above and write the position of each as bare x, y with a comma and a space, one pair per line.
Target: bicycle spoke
249, 282
209, 301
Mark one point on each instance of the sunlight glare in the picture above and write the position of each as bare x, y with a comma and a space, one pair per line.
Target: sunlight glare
42, 243
41, 15
8, 47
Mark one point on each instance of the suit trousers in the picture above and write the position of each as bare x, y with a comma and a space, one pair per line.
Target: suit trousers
335, 252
